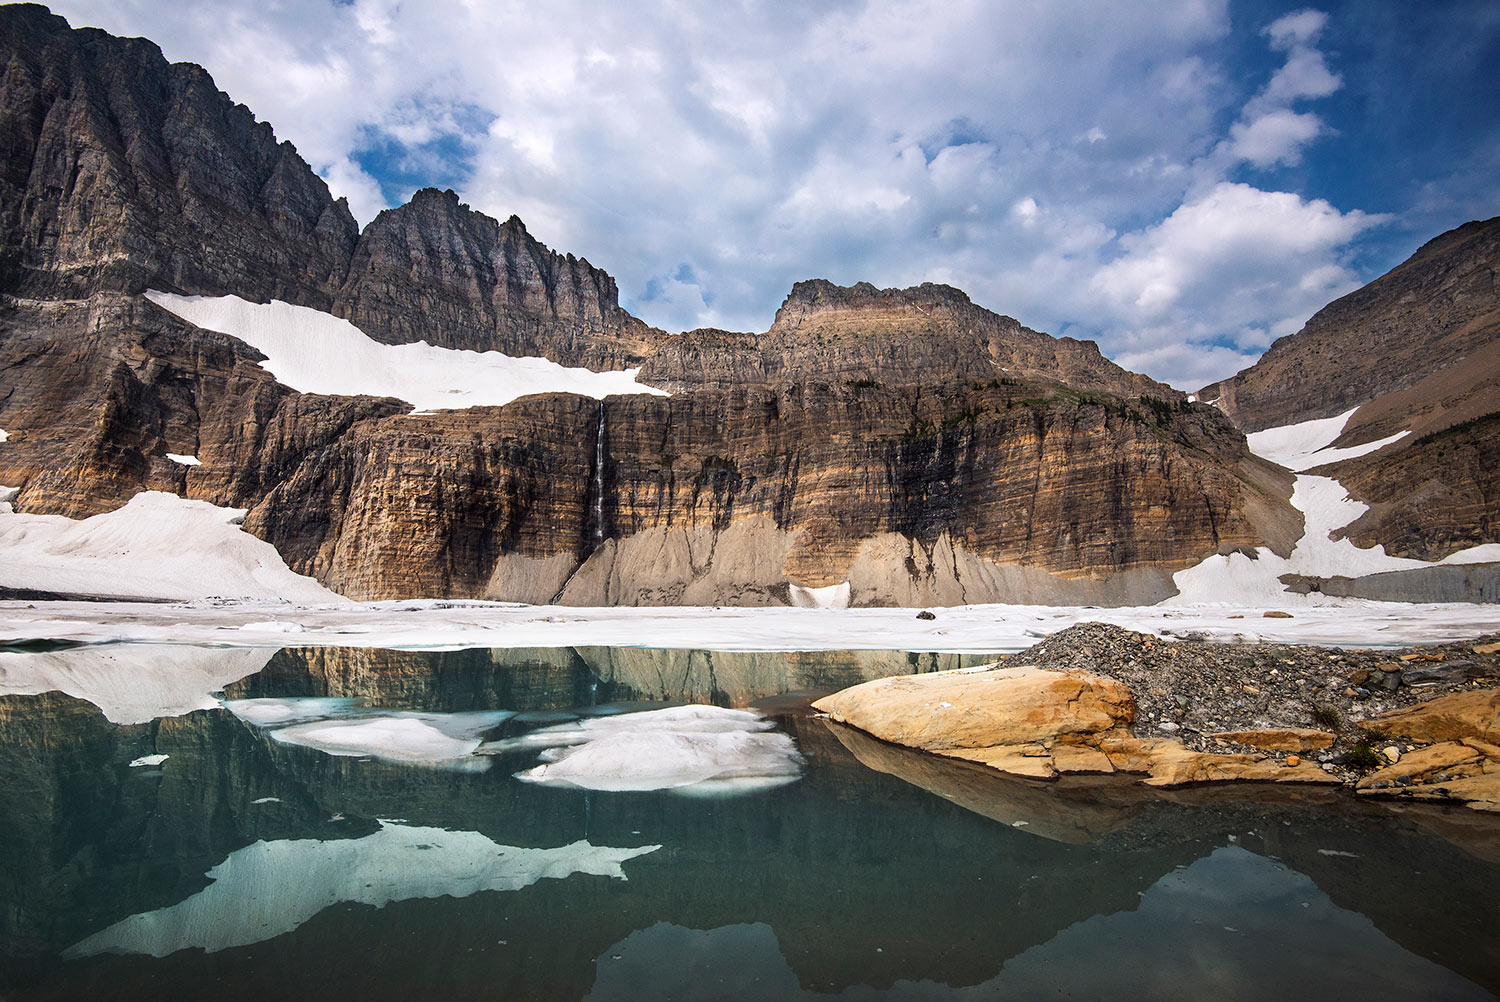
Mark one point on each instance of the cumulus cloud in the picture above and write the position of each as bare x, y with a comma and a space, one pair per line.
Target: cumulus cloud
1269, 132
1064, 163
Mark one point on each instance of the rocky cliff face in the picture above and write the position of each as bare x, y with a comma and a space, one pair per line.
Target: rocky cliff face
434, 270
122, 172
95, 393
904, 442
1417, 351
864, 335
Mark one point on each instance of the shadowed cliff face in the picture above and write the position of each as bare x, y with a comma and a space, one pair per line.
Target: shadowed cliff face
94, 393
434, 270
119, 171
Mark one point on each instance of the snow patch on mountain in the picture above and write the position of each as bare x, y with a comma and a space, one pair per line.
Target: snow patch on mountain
315, 352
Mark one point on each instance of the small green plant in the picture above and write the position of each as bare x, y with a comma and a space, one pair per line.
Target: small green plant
1362, 756
1326, 717
862, 384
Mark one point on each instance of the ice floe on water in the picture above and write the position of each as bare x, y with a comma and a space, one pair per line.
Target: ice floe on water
315, 352
408, 737
272, 711
342, 726
157, 546
688, 749
271, 888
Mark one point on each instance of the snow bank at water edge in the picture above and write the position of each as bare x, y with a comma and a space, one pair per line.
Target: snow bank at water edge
271, 888
157, 546
315, 352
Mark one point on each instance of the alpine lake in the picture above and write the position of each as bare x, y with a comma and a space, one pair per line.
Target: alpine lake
582, 823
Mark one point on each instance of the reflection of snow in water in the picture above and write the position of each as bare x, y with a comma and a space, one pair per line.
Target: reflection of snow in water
689, 749
271, 888
132, 683
340, 726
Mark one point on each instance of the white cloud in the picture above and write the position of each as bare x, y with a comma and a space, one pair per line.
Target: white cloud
1275, 137
1238, 264
1301, 27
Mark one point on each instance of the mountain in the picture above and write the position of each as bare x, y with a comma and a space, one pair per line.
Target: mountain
874, 446
1439, 308
1415, 356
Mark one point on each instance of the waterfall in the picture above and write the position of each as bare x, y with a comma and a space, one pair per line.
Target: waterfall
599, 480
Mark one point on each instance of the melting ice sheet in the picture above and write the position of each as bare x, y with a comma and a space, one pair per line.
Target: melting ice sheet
689, 749
340, 726
157, 546
271, 888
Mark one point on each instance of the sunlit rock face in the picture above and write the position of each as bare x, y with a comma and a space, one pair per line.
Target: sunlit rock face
900, 446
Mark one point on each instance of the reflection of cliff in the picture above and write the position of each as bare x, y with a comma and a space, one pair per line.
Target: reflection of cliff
551, 678
86, 839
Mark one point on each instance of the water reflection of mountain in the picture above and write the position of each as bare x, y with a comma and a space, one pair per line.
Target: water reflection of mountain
542, 678
864, 878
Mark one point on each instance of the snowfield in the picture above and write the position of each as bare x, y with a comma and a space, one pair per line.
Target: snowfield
158, 546
316, 352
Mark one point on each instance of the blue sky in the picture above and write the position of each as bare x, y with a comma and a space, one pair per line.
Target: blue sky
1183, 180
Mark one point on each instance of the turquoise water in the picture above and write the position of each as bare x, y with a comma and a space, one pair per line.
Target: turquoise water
352, 826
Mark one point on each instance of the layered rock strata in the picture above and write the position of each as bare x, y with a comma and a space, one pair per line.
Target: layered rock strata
903, 442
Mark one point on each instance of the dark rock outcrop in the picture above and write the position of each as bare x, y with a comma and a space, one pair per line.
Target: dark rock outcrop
119, 171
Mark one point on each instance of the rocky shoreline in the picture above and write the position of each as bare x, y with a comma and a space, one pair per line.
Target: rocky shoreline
1417, 722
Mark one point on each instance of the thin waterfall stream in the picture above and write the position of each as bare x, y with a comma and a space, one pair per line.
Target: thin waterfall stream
599, 480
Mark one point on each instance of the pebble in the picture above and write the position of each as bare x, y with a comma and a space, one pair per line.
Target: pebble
1391, 752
